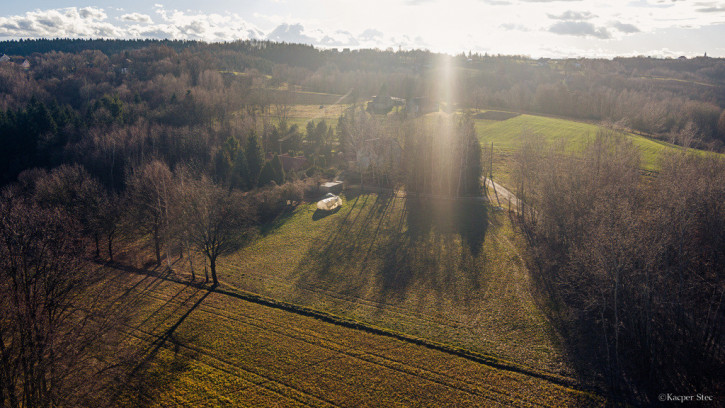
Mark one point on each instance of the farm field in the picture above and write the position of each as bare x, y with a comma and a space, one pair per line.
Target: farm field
506, 136
410, 270
301, 114
202, 348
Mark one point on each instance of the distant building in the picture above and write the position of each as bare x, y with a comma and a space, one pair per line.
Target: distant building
384, 104
379, 153
334, 187
25, 64
290, 163
4, 58
421, 105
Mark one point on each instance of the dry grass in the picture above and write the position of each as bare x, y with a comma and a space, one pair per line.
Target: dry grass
435, 280
203, 348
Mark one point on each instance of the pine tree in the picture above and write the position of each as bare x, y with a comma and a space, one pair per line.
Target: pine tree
255, 158
267, 175
224, 160
278, 168
240, 172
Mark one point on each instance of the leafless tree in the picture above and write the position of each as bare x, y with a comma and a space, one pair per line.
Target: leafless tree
149, 192
217, 221
42, 273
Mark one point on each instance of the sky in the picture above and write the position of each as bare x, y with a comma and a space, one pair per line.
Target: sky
536, 28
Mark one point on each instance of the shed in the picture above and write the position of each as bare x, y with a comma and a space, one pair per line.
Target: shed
332, 187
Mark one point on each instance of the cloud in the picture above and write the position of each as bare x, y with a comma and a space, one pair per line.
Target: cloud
626, 28
66, 22
711, 9
292, 33
514, 27
92, 13
572, 15
580, 29
137, 17
370, 35
87, 22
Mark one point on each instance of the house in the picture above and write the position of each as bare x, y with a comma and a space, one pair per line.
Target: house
334, 187
25, 64
379, 153
421, 105
290, 163
4, 58
384, 104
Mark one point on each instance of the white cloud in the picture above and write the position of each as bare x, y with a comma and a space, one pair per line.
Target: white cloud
137, 17
527, 27
580, 28
67, 22
573, 15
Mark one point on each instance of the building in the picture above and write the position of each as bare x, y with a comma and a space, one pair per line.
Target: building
379, 153
421, 105
334, 187
290, 163
25, 64
384, 104
4, 58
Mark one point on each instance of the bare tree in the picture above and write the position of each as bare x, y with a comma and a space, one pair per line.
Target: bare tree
41, 273
149, 193
218, 222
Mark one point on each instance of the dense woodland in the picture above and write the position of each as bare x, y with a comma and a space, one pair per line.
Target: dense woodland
177, 144
633, 266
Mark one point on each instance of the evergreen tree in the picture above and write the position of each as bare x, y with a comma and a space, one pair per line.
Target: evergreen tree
255, 158
278, 168
224, 160
471, 167
267, 174
240, 172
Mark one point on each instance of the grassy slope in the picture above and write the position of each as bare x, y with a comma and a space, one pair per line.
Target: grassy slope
362, 262
201, 348
506, 138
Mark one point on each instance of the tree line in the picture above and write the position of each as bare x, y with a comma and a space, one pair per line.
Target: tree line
631, 265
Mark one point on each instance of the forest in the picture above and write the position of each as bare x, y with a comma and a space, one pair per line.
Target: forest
177, 147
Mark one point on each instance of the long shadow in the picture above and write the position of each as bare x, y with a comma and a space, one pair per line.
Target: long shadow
271, 226
145, 379
389, 247
320, 214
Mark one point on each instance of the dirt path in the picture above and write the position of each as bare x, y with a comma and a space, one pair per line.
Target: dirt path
504, 196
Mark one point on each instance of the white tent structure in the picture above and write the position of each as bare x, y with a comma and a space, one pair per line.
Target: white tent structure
329, 203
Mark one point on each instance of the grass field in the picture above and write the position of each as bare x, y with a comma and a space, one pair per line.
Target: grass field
433, 270
410, 270
301, 114
506, 136
202, 348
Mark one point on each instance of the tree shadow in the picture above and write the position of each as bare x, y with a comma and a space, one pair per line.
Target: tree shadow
149, 371
320, 214
271, 226
385, 247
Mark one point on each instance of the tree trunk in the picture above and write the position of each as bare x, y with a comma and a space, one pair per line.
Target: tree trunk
110, 247
191, 262
157, 246
212, 266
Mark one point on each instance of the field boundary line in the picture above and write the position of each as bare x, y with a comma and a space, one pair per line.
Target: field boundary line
355, 324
